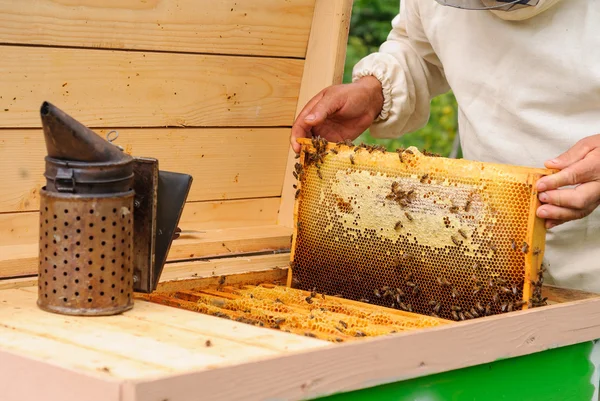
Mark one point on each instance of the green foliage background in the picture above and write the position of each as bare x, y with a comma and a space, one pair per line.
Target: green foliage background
369, 28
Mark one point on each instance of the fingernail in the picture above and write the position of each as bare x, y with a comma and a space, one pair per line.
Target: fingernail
310, 117
543, 214
541, 187
553, 161
543, 197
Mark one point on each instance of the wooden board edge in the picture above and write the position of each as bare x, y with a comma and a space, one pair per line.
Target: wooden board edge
46, 381
536, 240
323, 67
311, 374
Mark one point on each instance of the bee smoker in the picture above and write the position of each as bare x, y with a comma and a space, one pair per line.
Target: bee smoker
107, 220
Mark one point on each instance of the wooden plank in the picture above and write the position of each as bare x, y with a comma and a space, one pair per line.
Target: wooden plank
220, 267
22, 228
260, 27
398, 357
561, 295
135, 89
27, 378
324, 66
22, 260
73, 357
225, 163
178, 339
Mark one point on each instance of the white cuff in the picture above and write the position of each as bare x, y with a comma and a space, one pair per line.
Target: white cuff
386, 85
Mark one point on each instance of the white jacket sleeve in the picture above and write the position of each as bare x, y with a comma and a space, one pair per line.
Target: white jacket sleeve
409, 71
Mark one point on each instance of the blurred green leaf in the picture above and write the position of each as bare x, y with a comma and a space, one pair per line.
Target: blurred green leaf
369, 28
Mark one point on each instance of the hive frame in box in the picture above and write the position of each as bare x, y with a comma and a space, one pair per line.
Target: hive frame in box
308, 369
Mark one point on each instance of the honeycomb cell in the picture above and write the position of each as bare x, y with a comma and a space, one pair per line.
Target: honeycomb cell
421, 218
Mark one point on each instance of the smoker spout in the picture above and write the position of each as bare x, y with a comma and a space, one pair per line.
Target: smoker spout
68, 139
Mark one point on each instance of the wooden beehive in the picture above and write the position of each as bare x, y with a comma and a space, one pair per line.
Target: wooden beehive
210, 88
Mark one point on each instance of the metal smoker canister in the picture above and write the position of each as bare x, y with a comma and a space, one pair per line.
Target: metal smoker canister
86, 221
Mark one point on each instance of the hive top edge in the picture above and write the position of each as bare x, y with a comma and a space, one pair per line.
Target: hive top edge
68, 139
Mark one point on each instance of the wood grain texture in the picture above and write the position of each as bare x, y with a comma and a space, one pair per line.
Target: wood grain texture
22, 260
259, 27
117, 347
368, 363
19, 372
225, 163
135, 89
324, 66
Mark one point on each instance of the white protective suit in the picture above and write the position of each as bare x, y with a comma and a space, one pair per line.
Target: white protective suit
527, 84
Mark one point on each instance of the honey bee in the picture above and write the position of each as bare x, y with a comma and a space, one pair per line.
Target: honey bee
536, 251
505, 290
476, 290
298, 168
525, 247
377, 293
493, 247
455, 308
338, 329
510, 307
514, 289
308, 300
416, 290
398, 299
411, 284
395, 186
468, 315
344, 324
513, 244
297, 156
359, 334
433, 314
279, 320
222, 280
338, 340
496, 298
443, 281
409, 307
461, 315
424, 177
462, 233
403, 306
408, 277
453, 209
520, 304
474, 312
468, 206
488, 309
319, 174
503, 307
437, 307
295, 174
297, 194
500, 280
352, 159
398, 225
432, 302
307, 334
399, 292
479, 307
410, 152
295, 186
455, 240
334, 151
455, 293
455, 315
406, 256
408, 216
208, 343
365, 300
313, 293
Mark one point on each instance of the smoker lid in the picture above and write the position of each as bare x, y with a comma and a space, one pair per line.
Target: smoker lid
68, 139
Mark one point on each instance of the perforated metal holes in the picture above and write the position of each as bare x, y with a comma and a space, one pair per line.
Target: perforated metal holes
85, 264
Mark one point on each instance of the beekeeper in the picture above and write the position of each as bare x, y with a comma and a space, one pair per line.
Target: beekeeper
526, 75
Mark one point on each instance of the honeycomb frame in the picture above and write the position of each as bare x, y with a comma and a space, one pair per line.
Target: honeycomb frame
451, 238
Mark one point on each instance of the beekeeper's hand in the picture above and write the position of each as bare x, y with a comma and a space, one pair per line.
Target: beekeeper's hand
579, 167
340, 112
